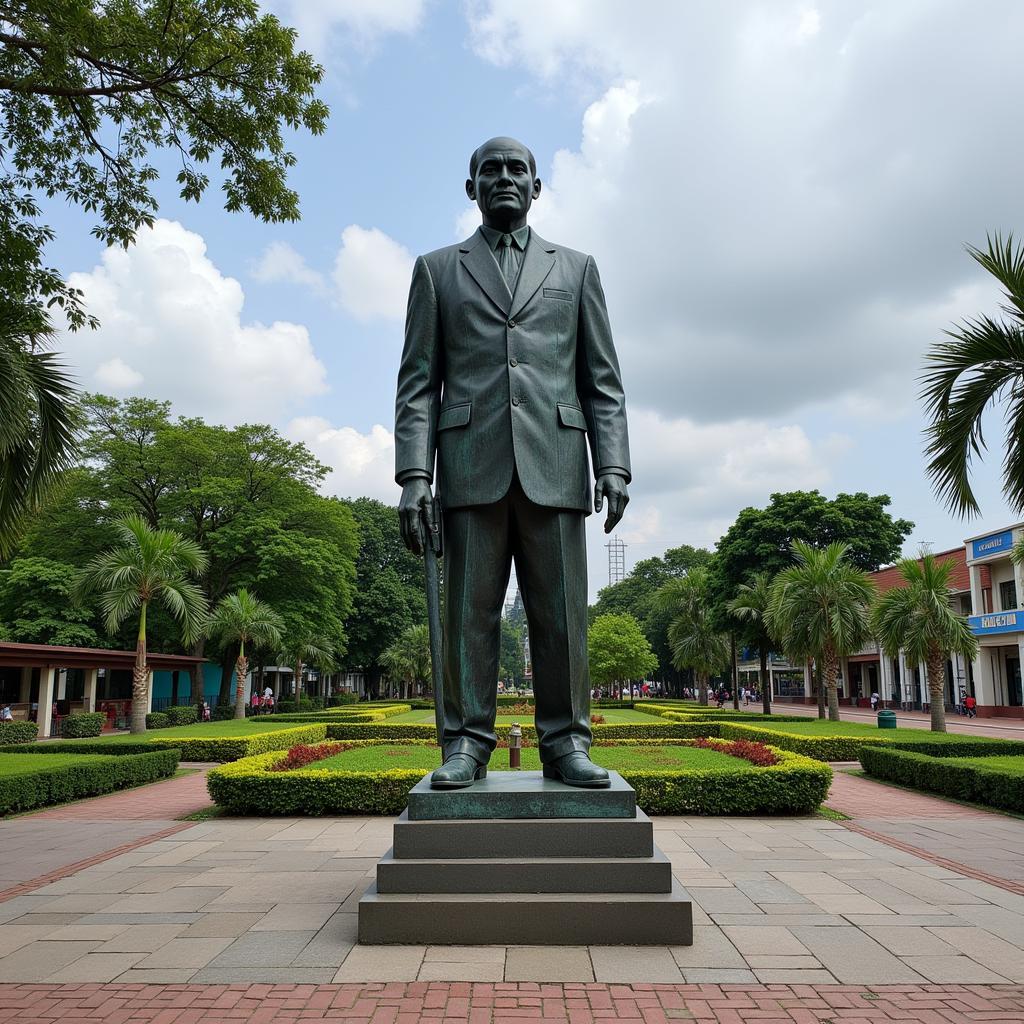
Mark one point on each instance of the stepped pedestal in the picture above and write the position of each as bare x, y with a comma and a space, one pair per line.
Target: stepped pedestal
519, 859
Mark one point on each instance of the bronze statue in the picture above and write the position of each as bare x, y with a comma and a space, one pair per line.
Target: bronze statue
508, 371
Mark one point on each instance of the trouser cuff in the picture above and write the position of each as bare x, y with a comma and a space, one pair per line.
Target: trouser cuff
464, 745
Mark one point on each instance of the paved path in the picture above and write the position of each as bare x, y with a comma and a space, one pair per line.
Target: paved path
860, 797
514, 1003
1005, 728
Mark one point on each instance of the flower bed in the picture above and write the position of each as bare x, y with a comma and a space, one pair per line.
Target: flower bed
995, 785
40, 779
792, 785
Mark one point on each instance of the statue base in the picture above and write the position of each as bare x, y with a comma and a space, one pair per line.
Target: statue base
517, 859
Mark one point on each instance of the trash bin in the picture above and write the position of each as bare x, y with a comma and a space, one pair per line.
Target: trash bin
886, 719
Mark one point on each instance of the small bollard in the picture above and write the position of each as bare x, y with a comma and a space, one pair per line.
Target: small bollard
515, 744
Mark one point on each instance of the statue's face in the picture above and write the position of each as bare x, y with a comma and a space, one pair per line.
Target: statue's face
503, 187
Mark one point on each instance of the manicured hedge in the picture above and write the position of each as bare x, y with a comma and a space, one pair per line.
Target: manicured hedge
848, 748
81, 747
85, 724
55, 785
946, 775
796, 785
231, 748
609, 731
182, 714
157, 720
18, 732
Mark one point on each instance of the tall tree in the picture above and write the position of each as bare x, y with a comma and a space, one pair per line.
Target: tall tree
407, 660
918, 619
750, 606
37, 606
87, 92
242, 618
821, 605
981, 365
149, 566
512, 657
618, 651
696, 640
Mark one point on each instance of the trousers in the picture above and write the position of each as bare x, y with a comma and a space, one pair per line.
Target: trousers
548, 547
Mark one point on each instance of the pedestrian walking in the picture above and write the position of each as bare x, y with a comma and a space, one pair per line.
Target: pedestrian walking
972, 707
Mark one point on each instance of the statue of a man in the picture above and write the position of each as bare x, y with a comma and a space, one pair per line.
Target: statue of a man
508, 371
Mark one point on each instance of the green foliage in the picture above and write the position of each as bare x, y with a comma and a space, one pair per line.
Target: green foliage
623, 731
83, 725
512, 657
231, 748
47, 782
794, 786
242, 618
342, 699
750, 608
18, 732
36, 606
186, 714
81, 747
981, 366
407, 660
157, 720
618, 651
973, 781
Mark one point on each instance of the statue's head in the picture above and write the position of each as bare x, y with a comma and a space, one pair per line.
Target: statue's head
503, 182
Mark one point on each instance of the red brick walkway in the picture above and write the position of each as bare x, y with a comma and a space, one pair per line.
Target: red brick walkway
170, 799
859, 797
464, 1003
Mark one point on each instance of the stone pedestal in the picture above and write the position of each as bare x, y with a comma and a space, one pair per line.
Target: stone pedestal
519, 859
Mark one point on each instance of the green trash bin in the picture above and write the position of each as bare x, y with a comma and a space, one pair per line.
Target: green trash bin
886, 719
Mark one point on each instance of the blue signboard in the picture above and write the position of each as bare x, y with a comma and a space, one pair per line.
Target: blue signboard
996, 622
993, 544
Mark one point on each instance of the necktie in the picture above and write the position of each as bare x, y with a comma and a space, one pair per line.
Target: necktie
508, 261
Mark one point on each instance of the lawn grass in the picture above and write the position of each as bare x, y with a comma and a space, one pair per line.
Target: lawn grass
823, 727
612, 716
653, 758
1013, 764
25, 764
230, 728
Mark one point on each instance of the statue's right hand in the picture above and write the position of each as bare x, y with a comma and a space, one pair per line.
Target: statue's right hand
415, 507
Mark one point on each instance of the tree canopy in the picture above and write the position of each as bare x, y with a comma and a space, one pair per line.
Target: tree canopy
618, 651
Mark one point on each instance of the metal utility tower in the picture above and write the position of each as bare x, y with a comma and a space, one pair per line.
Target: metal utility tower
616, 560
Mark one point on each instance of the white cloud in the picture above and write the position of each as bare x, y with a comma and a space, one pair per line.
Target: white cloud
280, 262
361, 464
810, 23
171, 321
372, 273
363, 21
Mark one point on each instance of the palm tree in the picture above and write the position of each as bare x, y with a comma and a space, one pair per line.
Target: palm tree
694, 641
37, 417
982, 364
820, 606
242, 618
150, 565
408, 658
300, 651
750, 606
918, 619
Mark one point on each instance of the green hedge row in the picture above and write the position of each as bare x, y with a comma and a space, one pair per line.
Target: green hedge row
182, 714
56, 785
18, 732
947, 776
157, 720
82, 725
848, 748
231, 748
624, 731
81, 747
796, 785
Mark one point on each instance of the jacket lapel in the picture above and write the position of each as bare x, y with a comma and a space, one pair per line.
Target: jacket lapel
537, 263
477, 259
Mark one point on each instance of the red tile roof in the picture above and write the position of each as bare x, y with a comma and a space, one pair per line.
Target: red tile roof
959, 580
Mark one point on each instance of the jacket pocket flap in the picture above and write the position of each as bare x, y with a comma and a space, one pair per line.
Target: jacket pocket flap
557, 293
572, 417
454, 416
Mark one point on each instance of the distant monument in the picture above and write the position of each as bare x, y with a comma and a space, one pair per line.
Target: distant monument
508, 372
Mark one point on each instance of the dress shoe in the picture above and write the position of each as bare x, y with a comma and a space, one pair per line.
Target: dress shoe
458, 772
576, 769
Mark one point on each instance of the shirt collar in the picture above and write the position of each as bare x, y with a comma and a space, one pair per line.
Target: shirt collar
520, 237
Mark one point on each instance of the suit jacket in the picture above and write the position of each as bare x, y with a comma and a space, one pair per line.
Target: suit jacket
492, 382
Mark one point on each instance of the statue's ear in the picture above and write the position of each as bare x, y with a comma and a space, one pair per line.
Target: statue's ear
470, 190
536, 187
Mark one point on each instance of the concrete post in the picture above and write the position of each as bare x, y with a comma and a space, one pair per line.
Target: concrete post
25, 695
89, 696
47, 688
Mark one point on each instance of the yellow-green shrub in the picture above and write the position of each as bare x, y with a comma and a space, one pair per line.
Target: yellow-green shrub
231, 748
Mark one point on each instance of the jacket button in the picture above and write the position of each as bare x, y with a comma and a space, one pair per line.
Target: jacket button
515, 400
513, 362
511, 323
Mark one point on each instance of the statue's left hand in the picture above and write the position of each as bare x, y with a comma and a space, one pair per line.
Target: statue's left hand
613, 487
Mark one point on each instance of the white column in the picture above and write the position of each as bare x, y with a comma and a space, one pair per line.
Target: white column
984, 680
977, 605
905, 678
62, 684
807, 680
89, 696
149, 691
884, 677
25, 696
47, 686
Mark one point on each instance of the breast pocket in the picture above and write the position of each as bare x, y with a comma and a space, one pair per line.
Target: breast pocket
558, 293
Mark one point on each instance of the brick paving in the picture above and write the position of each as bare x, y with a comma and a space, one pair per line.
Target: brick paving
860, 797
504, 1003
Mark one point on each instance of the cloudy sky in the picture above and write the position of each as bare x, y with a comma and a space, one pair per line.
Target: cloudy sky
777, 195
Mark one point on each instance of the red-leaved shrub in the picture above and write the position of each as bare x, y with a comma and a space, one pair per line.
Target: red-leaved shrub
748, 750
597, 719
303, 754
